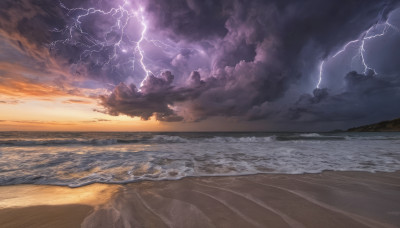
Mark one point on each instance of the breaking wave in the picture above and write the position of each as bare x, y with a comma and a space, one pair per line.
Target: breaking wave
164, 138
77, 159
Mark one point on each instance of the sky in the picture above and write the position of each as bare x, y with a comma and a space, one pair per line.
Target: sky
198, 65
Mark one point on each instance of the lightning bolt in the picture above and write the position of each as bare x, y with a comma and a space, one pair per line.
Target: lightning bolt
114, 48
321, 67
122, 17
361, 41
115, 41
139, 48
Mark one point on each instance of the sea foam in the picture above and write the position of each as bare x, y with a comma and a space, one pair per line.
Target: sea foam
76, 159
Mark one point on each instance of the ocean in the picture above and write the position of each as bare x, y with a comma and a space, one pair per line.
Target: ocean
76, 158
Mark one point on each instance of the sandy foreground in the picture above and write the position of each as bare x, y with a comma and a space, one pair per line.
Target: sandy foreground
330, 199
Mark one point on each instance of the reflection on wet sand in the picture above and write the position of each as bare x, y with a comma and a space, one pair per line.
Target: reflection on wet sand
51, 206
329, 199
39, 195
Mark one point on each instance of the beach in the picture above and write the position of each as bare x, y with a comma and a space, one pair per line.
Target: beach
328, 199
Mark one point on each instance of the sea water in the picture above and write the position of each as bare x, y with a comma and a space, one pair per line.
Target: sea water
76, 158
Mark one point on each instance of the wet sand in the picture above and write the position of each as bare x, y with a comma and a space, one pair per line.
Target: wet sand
330, 199
45, 216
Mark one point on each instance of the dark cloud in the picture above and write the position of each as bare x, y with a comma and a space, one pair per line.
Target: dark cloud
258, 58
30, 21
191, 19
243, 59
155, 98
367, 98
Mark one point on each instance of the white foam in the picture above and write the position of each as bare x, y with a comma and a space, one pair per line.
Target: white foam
168, 138
165, 157
55, 142
240, 139
310, 135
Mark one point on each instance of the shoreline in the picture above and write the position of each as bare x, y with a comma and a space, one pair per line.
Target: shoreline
122, 183
327, 199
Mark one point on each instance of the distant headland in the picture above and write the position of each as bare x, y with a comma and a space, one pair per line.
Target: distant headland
386, 126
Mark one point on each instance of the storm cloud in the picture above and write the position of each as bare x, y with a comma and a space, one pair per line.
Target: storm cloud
366, 96
258, 55
250, 60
